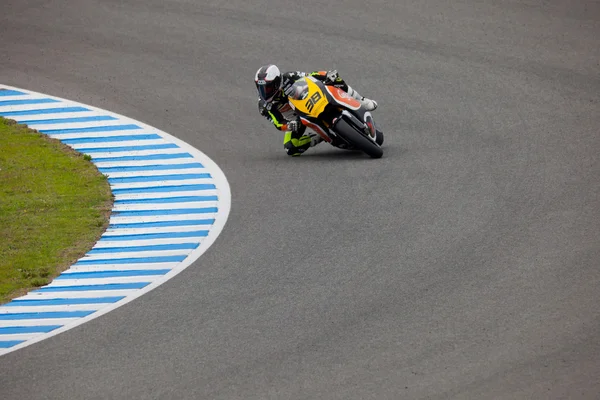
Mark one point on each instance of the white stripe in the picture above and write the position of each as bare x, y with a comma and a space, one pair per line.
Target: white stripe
102, 281
73, 307
126, 143
76, 125
135, 185
156, 171
164, 206
162, 195
115, 219
118, 267
129, 132
20, 336
138, 153
27, 107
42, 116
147, 242
160, 229
170, 161
24, 96
130, 254
36, 322
83, 294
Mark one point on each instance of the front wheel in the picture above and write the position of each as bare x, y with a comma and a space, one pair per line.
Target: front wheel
347, 131
379, 139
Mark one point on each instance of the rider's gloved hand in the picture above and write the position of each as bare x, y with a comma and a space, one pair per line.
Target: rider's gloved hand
331, 76
293, 126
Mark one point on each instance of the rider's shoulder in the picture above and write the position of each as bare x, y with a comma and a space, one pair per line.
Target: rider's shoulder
293, 75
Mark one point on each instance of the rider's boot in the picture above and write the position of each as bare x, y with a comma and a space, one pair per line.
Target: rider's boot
369, 104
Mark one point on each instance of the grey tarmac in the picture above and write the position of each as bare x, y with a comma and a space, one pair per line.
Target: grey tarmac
464, 264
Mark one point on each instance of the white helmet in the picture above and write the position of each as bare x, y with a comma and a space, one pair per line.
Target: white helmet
268, 82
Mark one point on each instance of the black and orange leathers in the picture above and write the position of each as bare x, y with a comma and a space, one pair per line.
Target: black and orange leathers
279, 112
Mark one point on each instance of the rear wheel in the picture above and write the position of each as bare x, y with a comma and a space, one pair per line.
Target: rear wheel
347, 131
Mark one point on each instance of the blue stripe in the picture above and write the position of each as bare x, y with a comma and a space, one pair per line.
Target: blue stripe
60, 302
68, 120
85, 288
182, 211
128, 148
162, 224
112, 274
158, 259
157, 247
159, 200
28, 101
153, 178
106, 139
135, 168
6, 344
45, 315
45, 111
159, 189
10, 92
107, 128
144, 158
166, 235
12, 330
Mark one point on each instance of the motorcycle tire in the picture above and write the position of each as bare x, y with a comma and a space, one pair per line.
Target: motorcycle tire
347, 131
379, 139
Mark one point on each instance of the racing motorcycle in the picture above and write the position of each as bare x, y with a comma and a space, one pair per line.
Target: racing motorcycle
336, 116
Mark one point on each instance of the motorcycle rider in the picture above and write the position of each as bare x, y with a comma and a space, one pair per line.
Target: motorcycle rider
273, 104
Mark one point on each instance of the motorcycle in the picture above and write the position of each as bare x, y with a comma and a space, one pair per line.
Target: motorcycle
336, 116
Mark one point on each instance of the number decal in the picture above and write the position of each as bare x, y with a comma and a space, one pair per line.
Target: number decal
312, 101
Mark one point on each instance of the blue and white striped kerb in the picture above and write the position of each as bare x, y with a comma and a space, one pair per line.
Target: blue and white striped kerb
171, 202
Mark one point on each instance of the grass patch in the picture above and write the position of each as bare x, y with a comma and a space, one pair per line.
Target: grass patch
54, 206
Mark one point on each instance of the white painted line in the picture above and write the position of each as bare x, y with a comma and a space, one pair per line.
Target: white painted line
163, 229
123, 163
46, 116
156, 172
178, 182
102, 281
20, 336
75, 125
27, 107
148, 242
130, 254
119, 267
116, 219
72, 307
166, 206
113, 154
162, 195
122, 143
91, 294
79, 135
34, 322
18, 97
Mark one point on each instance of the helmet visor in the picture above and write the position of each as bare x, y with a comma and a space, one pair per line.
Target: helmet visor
266, 90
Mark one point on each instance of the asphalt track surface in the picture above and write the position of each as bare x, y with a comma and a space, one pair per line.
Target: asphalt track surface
463, 264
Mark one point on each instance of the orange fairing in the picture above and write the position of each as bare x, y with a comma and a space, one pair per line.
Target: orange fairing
343, 98
317, 129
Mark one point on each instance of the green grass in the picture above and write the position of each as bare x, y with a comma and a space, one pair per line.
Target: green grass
54, 205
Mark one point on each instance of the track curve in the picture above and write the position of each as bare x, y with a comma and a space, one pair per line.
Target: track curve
463, 264
170, 204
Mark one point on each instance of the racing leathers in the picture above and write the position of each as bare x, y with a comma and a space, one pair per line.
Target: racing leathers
285, 119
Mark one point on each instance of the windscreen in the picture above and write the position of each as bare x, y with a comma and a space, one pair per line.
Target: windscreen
299, 90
